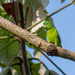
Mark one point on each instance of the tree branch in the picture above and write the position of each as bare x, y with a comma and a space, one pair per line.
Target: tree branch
51, 49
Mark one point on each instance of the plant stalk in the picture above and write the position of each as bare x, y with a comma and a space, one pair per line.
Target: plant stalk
24, 53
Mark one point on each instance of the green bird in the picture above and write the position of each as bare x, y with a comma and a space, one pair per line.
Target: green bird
52, 34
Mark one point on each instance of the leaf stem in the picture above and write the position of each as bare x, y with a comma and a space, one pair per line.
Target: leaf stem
39, 61
49, 15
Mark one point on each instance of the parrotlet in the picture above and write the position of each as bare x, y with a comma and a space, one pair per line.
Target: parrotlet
52, 33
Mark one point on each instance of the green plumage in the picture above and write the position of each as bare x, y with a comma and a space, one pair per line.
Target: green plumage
52, 34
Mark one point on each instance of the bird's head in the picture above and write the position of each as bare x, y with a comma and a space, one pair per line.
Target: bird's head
48, 25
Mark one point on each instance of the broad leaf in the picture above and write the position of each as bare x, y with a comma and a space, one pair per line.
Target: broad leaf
37, 53
17, 68
35, 68
50, 72
13, 71
7, 53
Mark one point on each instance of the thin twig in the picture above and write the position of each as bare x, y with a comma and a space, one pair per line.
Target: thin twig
49, 16
39, 61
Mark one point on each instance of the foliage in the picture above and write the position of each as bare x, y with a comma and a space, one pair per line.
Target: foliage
9, 47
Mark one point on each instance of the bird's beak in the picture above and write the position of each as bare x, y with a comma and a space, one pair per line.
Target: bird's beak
44, 26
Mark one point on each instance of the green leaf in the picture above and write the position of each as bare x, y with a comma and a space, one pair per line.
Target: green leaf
2, 65
17, 68
29, 45
37, 53
2, 1
35, 68
41, 33
13, 71
3, 13
7, 53
28, 55
62, 1
50, 72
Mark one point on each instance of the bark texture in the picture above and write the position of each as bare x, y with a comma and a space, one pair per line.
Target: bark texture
49, 48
